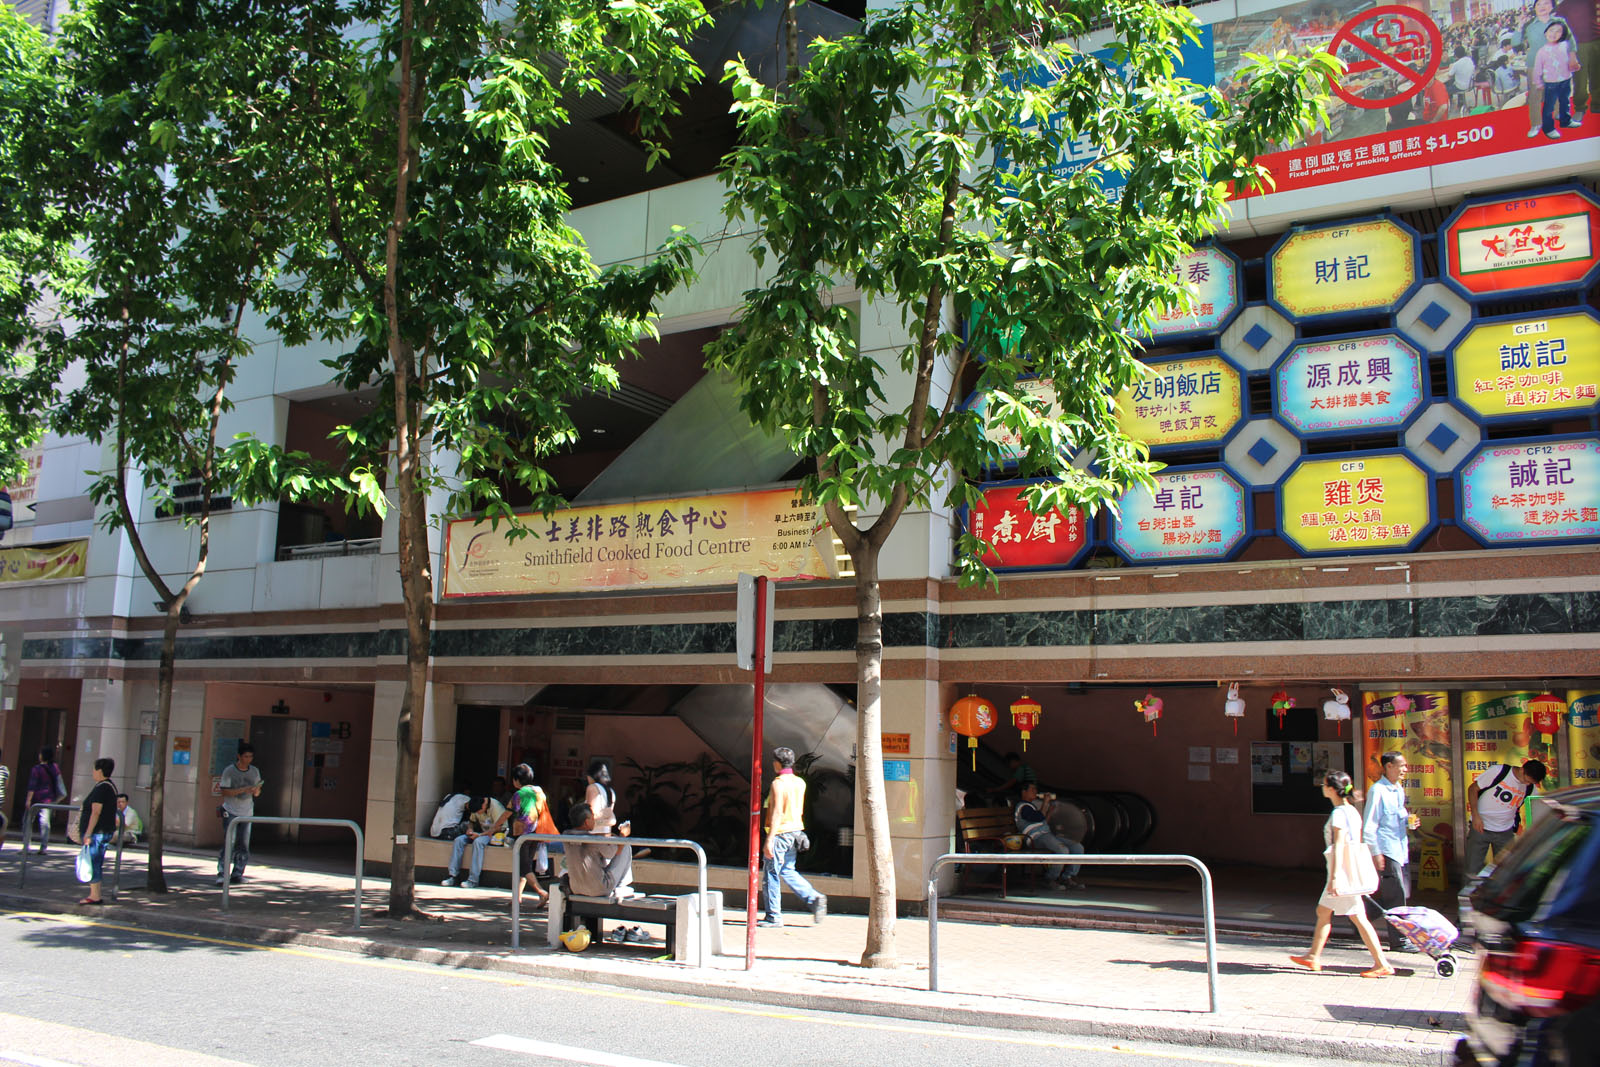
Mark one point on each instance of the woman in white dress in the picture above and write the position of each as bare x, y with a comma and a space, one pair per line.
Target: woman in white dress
1342, 827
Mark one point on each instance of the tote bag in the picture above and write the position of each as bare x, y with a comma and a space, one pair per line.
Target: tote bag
1354, 873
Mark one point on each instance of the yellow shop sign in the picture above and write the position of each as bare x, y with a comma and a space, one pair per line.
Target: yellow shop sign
1515, 368
1370, 503
1187, 401
1343, 269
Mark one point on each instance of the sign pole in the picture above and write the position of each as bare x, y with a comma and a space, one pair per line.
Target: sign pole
756, 744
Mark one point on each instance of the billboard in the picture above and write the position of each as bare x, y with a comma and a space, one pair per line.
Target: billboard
1359, 267
1530, 243
1348, 384
1360, 502
40, 563
1525, 367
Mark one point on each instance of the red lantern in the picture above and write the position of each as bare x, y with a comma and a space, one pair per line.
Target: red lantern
1025, 715
1546, 709
1281, 702
972, 717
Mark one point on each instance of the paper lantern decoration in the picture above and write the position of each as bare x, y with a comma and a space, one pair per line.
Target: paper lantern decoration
1025, 715
1233, 707
1150, 708
1546, 711
1401, 703
1338, 709
1281, 703
972, 717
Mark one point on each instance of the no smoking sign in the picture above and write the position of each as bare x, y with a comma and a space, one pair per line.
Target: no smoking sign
1401, 40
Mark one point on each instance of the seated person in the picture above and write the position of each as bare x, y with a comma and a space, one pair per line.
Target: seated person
597, 870
487, 818
451, 814
1033, 820
132, 825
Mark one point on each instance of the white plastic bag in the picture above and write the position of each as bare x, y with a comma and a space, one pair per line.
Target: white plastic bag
84, 867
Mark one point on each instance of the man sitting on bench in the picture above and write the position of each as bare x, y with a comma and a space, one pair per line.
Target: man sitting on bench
597, 870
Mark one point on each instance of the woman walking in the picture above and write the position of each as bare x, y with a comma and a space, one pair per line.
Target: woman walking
531, 815
97, 823
1342, 831
600, 797
44, 787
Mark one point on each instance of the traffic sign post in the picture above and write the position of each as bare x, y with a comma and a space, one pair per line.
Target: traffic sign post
754, 641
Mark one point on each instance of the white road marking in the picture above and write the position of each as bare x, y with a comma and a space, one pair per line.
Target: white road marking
11, 1056
570, 1053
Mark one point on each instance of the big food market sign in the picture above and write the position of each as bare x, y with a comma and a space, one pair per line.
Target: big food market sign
642, 544
1523, 245
1529, 366
1375, 502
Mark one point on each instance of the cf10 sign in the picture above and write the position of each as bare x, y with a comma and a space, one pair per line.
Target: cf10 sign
1521, 245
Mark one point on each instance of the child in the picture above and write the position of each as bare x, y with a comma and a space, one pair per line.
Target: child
1552, 68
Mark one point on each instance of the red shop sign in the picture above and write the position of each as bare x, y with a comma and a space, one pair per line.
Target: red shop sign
1545, 242
1021, 540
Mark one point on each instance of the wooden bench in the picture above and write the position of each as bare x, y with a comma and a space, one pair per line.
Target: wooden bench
985, 830
567, 910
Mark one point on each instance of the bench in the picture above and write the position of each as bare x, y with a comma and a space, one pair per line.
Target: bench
672, 912
985, 830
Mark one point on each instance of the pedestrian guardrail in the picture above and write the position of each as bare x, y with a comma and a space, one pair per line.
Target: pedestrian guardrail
27, 836
230, 835
1052, 859
702, 911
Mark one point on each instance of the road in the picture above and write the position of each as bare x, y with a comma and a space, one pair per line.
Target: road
99, 994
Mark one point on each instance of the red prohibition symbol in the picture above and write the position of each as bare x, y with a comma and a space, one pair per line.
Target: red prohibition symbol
1402, 40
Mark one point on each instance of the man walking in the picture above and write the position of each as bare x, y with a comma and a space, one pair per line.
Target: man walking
240, 784
1385, 833
786, 801
1494, 804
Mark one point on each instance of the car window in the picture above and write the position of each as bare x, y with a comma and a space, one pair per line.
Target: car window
1535, 870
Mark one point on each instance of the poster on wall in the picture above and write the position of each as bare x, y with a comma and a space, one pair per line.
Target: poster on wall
1021, 540
1525, 367
1266, 763
1195, 400
1583, 736
1543, 491
1192, 515
1213, 275
1529, 243
1496, 728
1359, 267
1359, 502
1347, 385
1416, 724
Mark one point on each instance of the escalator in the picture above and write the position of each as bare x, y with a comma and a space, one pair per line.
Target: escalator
1105, 821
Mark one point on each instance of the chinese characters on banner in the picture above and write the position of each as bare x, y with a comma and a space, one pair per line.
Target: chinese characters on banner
1008, 441
1532, 491
1194, 400
1530, 243
1583, 736
1357, 383
1367, 503
38, 563
1348, 267
1213, 274
1528, 366
1496, 728
643, 544
1193, 515
1422, 733
1020, 539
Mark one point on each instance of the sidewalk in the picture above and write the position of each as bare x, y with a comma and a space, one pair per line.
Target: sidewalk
1111, 983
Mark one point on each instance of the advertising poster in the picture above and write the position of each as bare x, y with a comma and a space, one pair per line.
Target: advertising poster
1021, 540
1189, 401
1192, 515
40, 563
1528, 492
1348, 385
1212, 274
1344, 268
1523, 367
1540, 243
1360, 503
645, 544
1583, 736
1417, 724
1496, 728
1266, 763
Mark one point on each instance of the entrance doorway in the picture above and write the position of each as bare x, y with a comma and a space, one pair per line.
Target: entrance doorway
280, 745
40, 727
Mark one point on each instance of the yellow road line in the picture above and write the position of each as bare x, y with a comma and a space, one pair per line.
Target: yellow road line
649, 998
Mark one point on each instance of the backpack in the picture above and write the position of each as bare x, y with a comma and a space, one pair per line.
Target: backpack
1516, 815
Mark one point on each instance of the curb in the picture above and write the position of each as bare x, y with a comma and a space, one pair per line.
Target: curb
921, 1006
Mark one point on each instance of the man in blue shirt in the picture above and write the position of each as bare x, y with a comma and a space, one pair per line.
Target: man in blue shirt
1385, 833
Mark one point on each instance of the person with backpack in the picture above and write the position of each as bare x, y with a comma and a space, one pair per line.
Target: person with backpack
45, 786
1494, 806
531, 815
1033, 823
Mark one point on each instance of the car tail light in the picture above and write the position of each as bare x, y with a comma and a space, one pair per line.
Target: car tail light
1544, 978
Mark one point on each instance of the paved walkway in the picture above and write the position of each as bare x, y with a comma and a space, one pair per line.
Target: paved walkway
1118, 983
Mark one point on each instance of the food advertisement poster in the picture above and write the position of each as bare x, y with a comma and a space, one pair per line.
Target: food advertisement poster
1496, 728
1583, 736
1418, 725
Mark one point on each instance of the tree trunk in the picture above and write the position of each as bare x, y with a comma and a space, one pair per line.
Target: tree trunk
880, 948
416, 581
155, 876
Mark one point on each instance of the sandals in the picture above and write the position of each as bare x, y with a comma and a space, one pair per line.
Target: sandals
1378, 972
91, 900
1308, 962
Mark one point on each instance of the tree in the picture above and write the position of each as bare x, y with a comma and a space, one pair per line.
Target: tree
920, 163
446, 265
180, 221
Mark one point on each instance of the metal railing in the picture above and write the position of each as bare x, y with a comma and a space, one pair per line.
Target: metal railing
27, 837
702, 906
1052, 859
282, 820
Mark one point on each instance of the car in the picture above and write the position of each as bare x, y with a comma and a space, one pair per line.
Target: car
1535, 920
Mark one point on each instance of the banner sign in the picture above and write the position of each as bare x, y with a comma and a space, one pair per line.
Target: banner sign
1527, 492
1348, 385
1355, 503
1008, 441
40, 563
1020, 539
1524, 244
1364, 266
24, 490
1419, 726
1528, 366
1583, 736
1496, 728
643, 544
1193, 516
1214, 275
1189, 401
